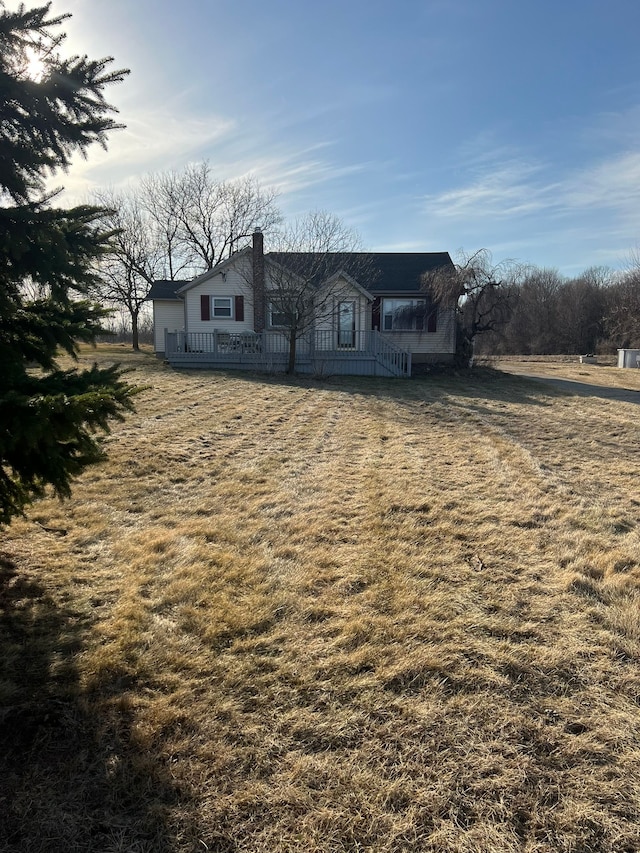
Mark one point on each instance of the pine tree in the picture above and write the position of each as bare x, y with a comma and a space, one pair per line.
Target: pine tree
50, 419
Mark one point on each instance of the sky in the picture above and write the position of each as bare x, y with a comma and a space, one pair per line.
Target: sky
427, 125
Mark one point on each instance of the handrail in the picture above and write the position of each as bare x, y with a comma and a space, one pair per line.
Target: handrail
261, 347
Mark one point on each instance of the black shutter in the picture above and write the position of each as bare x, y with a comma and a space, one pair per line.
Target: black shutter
432, 320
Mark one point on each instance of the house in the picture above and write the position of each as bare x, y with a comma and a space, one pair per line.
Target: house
366, 313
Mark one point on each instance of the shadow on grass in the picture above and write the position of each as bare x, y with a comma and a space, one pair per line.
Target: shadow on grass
71, 778
436, 386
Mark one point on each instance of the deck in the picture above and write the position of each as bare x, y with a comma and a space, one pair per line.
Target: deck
321, 353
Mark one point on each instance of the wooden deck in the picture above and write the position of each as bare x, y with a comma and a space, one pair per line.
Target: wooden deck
320, 353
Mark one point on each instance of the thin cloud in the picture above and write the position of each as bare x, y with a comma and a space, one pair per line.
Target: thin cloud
517, 189
517, 207
613, 183
503, 191
295, 175
152, 141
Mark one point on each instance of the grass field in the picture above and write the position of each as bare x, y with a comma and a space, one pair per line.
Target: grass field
338, 615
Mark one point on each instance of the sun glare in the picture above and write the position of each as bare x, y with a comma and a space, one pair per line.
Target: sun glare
35, 67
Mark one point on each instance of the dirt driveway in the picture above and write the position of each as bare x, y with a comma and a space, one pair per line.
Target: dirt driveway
594, 381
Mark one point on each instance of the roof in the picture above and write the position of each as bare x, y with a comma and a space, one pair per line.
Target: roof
379, 272
400, 271
165, 289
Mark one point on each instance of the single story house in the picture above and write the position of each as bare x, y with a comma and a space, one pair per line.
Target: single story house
369, 313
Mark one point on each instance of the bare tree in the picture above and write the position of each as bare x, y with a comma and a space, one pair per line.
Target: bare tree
302, 291
203, 220
482, 291
160, 197
581, 309
534, 323
134, 258
623, 300
176, 225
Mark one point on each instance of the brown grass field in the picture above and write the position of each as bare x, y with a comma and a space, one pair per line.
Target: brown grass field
337, 615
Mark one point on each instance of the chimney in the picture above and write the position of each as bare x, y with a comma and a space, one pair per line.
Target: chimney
257, 260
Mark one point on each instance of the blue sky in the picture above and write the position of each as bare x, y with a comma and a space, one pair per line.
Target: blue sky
428, 125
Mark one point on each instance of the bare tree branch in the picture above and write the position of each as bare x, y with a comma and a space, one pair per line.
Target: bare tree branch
160, 197
482, 291
205, 219
176, 225
135, 259
623, 316
303, 286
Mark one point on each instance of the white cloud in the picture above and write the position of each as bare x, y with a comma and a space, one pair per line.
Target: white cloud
169, 138
296, 171
612, 183
503, 190
154, 140
589, 217
517, 189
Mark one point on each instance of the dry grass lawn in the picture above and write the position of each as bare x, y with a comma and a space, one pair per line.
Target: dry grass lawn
338, 615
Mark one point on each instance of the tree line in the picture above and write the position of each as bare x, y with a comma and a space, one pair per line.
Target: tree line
508, 308
548, 313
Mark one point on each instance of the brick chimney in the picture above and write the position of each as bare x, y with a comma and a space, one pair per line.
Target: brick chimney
257, 261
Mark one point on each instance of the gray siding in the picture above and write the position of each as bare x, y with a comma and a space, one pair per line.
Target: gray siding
233, 283
167, 316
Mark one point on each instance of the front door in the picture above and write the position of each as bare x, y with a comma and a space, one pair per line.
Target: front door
346, 324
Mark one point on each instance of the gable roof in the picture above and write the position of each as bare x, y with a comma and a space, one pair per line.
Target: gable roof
402, 271
374, 272
378, 272
221, 267
345, 275
165, 289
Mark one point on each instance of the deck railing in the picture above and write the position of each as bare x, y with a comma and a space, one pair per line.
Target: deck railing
269, 350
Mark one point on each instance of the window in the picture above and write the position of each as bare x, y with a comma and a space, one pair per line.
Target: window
403, 315
221, 307
278, 319
346, 324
